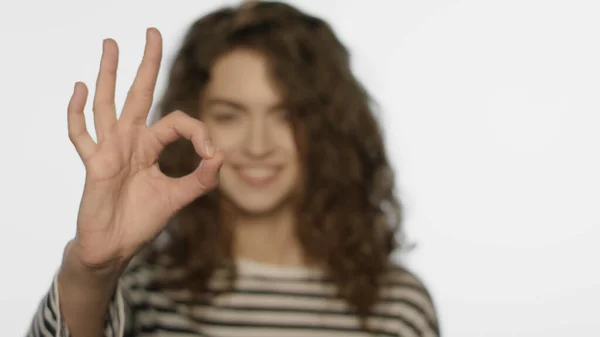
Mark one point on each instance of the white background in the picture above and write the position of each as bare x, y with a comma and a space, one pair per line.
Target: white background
491, 112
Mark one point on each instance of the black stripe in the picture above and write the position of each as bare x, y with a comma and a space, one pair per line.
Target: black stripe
388, 279
157, 327
48, 304
290, 294
108, 322
380, 332
300, 294
160, 309
47, 325
287, 294
319, 312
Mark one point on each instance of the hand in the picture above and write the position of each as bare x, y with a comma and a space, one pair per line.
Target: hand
127, 200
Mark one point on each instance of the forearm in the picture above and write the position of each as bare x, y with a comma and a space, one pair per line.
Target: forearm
85, 295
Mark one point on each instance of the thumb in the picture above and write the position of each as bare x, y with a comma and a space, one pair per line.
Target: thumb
201, 181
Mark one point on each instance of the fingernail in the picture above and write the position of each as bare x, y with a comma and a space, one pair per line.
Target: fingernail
209, 148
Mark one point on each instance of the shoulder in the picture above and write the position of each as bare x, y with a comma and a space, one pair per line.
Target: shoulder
405, 296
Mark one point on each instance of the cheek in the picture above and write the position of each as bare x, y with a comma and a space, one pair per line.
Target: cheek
226, 139
284, 137
227, 179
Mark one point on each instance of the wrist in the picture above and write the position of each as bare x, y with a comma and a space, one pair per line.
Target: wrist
75, 269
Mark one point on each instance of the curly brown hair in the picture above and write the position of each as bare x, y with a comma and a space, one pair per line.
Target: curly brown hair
349, 216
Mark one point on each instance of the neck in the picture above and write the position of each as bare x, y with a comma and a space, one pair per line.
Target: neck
268, 238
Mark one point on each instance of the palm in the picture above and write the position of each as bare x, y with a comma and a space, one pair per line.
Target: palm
126, 199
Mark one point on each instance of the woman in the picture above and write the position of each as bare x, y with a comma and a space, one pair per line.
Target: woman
295, 238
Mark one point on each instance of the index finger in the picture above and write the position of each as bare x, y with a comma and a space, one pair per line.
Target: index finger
140, 96
176, 125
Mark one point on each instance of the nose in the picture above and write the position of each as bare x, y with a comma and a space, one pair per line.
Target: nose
258, 142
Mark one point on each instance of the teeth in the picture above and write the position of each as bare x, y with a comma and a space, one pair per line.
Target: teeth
258, 173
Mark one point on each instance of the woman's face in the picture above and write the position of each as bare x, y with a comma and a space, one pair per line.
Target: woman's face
243, 111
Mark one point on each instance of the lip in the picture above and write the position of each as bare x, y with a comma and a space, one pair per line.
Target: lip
255, 180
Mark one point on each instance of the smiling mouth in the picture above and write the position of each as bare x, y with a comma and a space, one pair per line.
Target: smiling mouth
258, 176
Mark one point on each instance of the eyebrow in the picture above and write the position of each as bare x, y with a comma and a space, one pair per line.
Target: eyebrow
237, 105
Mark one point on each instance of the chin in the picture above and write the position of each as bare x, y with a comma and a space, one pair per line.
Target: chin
256, 206
261, 209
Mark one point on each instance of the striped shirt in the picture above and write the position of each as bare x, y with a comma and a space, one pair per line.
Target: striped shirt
266, 301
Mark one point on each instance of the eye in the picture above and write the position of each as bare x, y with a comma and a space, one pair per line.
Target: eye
224, 117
